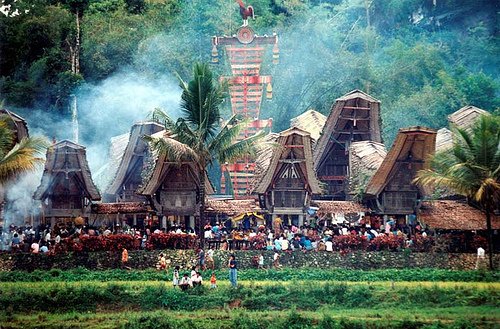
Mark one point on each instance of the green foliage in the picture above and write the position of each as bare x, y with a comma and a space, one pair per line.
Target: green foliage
87, 296
414, 56
286, 274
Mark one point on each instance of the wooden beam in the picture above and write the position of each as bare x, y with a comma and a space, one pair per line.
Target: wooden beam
356, 108
357, 132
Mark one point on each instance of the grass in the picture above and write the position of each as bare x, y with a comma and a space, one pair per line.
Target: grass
455, 317
272, 299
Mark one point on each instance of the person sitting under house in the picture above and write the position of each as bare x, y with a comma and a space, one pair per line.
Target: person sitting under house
185, 282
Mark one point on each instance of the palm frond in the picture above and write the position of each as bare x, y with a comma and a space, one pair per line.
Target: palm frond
6, 136
238, 150
24, 156
174, 150
161, 117
200, 101
227, 134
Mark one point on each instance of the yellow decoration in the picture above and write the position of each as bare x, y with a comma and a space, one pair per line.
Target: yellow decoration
215, 55
269, 91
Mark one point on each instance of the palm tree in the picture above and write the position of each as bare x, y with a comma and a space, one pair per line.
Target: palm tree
197, 135
471, 168
17, 158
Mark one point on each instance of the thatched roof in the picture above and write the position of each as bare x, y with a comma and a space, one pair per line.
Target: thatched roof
231, 207
413, 143
120, 208
311, 121
466, 116
132, 161
454, 215
355, 112
297, 143
19, 126
67, 161
338, 207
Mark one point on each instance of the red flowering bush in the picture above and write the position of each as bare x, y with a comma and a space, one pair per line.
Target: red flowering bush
114, 242
350, 242
422, 243
387, 242
171, 241
258, 242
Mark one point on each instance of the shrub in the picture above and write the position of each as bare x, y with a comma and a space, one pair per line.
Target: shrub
350, 242
171, 241
387, 242
258, 242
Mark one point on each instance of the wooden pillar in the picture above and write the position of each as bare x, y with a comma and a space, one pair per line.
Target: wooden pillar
191, 222
301, 220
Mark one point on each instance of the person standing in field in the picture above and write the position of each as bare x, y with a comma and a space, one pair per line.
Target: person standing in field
124, 258
233, 271
213, 281
175, 278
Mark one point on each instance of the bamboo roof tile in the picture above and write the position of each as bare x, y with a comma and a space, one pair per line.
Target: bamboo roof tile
69, 159
134, 153
420, 142
352, 108
311, 121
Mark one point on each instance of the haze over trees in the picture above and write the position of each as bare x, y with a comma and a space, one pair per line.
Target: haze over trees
423, 59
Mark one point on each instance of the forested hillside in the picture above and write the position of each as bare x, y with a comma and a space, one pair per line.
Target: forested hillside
422, 58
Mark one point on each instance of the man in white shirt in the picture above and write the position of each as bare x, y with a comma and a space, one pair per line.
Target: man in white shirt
329, 245
284, 244
185, 282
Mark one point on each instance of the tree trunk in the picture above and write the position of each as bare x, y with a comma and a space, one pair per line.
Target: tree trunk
490, 237
76, 69
201, 217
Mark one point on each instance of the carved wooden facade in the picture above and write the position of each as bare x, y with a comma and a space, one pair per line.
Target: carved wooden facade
354, 117
391, 190
173, 188
66, 188
288, 183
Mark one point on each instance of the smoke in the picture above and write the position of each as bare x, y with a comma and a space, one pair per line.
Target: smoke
106, 109
111, 107
19, 205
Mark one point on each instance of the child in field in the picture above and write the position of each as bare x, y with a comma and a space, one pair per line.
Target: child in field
175, 279
213, 281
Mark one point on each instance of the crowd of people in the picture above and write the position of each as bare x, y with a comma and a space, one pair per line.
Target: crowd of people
313, 235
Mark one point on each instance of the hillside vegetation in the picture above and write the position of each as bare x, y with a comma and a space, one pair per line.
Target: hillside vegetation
423, 59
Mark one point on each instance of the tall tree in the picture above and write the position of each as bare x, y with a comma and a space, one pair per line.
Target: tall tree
197, 135
471, 168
